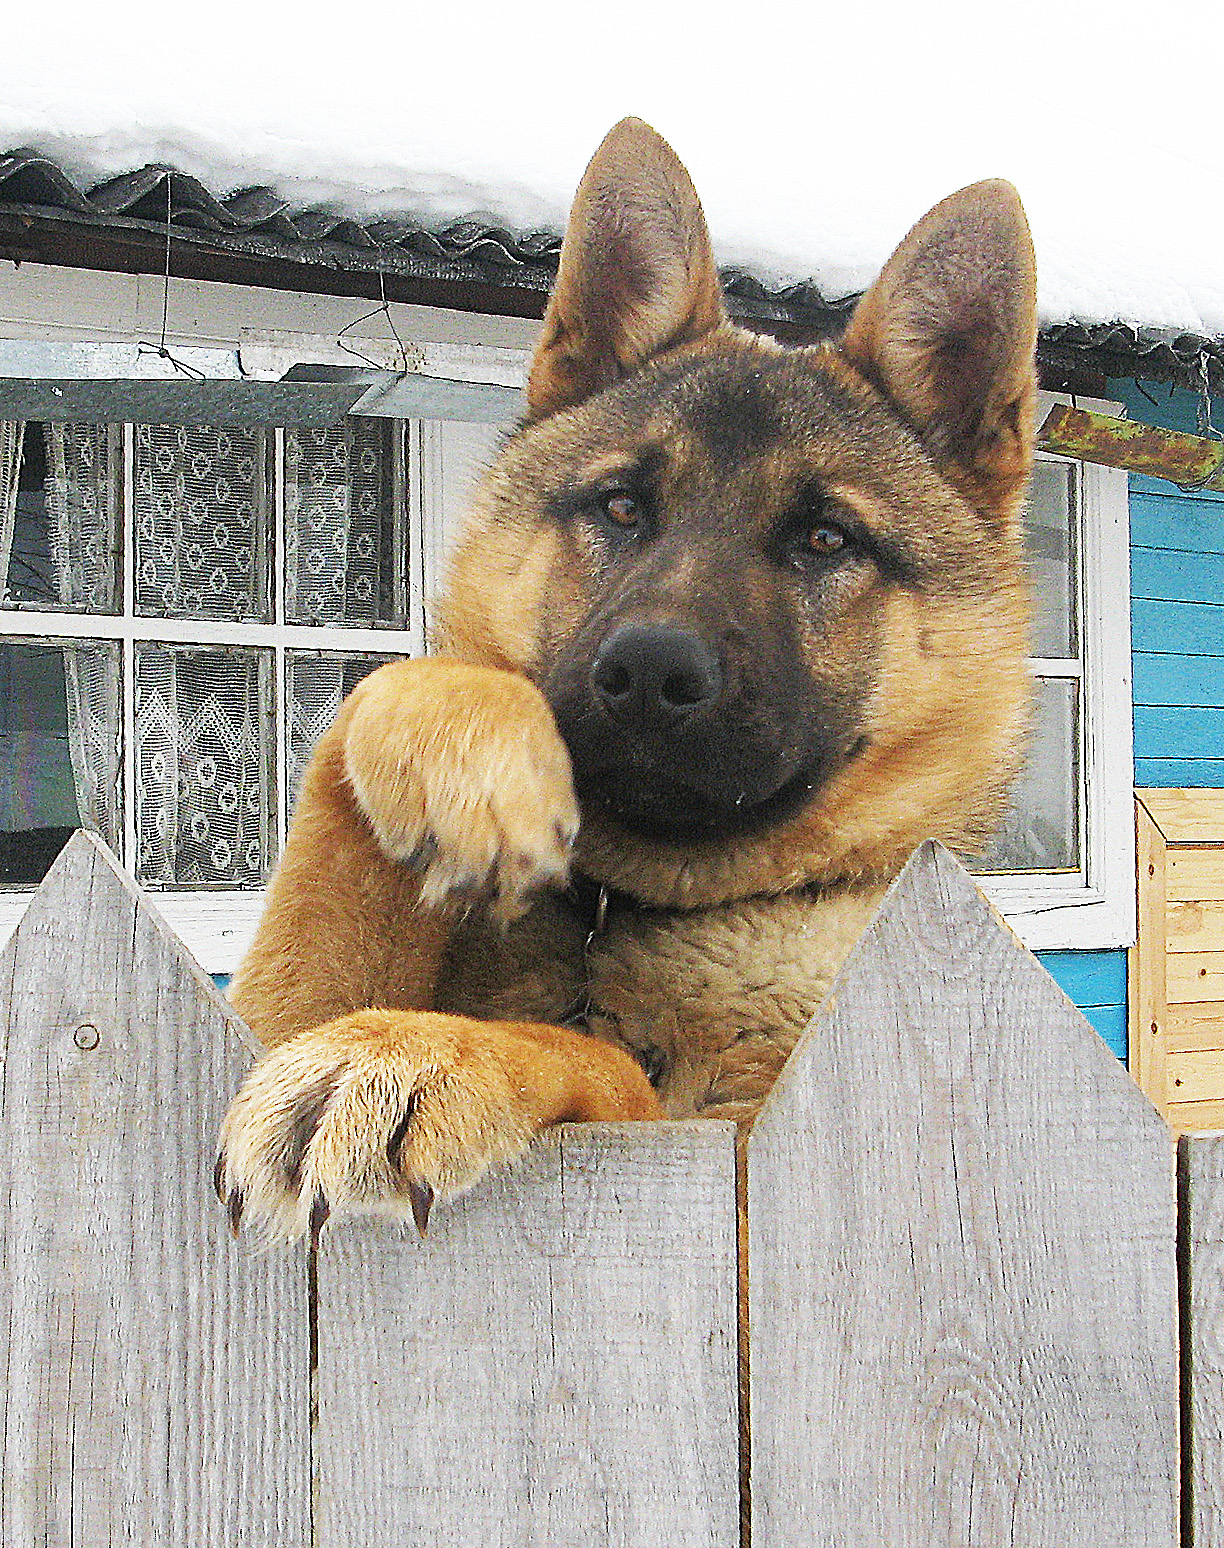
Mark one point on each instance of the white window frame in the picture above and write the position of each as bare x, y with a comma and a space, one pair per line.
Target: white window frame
1092, 908
1088, 909
273, 331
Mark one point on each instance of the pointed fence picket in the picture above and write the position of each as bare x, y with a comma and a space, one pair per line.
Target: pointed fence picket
962, 1238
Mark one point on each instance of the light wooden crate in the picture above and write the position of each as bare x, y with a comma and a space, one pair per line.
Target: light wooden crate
1176, 990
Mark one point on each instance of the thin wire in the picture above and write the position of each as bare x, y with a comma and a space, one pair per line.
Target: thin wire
159, 349
381, 310
1205, 426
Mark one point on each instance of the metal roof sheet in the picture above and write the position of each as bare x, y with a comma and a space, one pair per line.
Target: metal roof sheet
258, 222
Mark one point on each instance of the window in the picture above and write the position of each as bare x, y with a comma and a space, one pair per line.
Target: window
1062, 869
184, 609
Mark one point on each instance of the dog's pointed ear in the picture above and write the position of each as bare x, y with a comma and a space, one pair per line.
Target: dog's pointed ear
948, 334
637, 273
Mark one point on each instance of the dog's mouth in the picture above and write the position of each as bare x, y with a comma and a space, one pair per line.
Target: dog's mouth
673, 812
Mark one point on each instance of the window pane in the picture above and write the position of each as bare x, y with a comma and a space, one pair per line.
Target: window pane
204, 770
345, 541
64, 535
1041, 829
201, 522
59, 750
315, 684
1050, 552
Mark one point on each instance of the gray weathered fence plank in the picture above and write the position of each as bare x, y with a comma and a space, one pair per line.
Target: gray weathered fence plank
554, 1364
1201, 1169
961, 1249
154, 1382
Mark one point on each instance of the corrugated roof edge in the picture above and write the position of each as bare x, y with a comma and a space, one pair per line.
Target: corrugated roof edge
257, 223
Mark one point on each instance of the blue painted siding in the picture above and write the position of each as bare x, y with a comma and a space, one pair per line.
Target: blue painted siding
1177, 614
1096, 982
1177, 656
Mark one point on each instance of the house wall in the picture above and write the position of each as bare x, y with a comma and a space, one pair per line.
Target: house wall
1177, 655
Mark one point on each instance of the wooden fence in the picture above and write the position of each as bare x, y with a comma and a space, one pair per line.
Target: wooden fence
962, 1240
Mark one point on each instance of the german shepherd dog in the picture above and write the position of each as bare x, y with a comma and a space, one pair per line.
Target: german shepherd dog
733, 627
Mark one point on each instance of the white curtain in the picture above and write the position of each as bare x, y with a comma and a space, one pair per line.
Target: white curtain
81, 508
11, 432
335, 496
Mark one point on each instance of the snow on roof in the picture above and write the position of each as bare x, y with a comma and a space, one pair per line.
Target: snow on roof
815, 137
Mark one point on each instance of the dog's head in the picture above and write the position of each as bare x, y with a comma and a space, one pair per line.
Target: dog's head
774, 595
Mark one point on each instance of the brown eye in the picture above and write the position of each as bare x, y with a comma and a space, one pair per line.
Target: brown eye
826, 539
621, 508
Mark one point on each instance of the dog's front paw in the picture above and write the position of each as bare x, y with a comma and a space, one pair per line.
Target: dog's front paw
382, 1110
462, 773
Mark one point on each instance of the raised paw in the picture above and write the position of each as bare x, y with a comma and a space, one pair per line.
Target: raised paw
382, 1110
462, 773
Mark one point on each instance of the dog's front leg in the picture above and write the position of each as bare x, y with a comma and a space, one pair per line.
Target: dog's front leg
379, 1111
441, 786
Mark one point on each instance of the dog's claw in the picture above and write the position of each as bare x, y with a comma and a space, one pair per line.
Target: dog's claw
233, 1208
319, 1211
219, 1178
422, 1197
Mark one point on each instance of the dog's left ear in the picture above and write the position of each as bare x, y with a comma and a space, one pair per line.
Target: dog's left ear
948, 334
637, 273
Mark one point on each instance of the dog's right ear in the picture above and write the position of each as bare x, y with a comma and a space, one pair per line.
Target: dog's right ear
637, 273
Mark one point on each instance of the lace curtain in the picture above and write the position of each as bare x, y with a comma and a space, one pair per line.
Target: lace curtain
202, 759
317, 684
339, 567
11, 432
202, 715
82, 520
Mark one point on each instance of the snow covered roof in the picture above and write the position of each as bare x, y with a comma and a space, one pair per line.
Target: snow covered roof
814, 137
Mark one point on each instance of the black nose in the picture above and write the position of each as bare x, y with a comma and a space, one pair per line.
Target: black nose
655, 675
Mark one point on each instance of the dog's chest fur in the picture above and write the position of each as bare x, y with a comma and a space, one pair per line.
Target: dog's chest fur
711, 1001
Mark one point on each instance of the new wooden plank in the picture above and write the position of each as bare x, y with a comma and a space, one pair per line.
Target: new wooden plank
961, 1239
1197, 926
158, 1382
1195, 1117
1147, 1001
1201, 1187
1195, 1075
554, 1364
1196, 1026
1170, 679
1195, 628
1194, 976
1189, 816
1196, 873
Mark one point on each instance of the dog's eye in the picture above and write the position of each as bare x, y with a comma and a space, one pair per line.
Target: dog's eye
621, 508
824, 539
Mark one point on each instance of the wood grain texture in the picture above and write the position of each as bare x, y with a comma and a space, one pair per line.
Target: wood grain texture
1195, 1117
1195, 1075
961, 1248
1195, 927
1194, 976
1196, 873
1147, 1003
1192, 1027
1201, 1185
157, 1383
555, 1364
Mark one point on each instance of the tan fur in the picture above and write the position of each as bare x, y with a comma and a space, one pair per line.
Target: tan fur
439, 816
